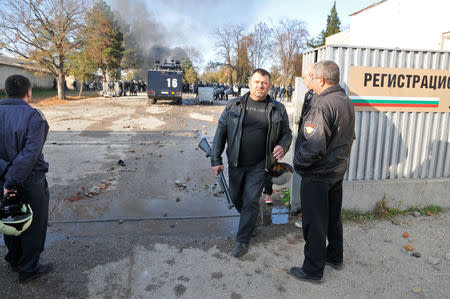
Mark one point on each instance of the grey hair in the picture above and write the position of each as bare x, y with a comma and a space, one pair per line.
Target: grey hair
329, 70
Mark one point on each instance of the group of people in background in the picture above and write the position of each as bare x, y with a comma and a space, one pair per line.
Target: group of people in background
281, 93
132, 87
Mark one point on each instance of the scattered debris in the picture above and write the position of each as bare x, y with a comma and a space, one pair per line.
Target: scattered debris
172, 226
74, 198
416, 290
405, 235
165, 215
206, 187
177, 199
433, 260
415, 254
120, 221
188, 179
121, 163
395, 222
409, 247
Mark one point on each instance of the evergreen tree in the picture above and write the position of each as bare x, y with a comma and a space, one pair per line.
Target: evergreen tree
333, 27
189, 73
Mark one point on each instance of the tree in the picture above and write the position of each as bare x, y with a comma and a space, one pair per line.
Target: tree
259, 45
104, 40
189, 73
243, 67
43, 32
82, 67
227, 41
333, 27
290, 37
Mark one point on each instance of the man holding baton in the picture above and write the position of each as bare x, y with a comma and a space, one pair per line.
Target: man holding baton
256, 131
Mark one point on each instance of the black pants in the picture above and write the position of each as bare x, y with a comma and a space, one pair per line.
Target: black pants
24, 250
321, 219
246, 184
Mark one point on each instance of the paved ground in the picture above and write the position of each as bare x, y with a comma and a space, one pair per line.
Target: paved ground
156, 226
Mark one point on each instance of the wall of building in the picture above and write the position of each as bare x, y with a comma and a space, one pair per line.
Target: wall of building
392, 149
38, 79
413, 24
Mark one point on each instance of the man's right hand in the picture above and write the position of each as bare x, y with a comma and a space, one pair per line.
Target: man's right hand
217, 168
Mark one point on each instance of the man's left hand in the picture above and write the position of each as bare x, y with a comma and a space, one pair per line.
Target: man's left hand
278, 152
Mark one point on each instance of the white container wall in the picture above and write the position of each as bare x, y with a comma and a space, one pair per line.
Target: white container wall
392, 145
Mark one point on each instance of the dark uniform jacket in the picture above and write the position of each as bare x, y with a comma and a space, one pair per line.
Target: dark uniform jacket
229, 130
325, 136
23, 131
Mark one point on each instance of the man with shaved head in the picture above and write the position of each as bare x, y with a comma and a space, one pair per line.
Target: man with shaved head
325, 137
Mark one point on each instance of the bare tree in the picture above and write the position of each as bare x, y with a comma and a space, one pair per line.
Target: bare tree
227, 42
290, 38
259, 45
194, 56
44, 32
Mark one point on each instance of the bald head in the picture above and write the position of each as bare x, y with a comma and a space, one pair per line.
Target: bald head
308, 75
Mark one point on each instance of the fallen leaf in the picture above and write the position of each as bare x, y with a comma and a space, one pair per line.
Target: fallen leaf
429, 213
405, 235
188, 179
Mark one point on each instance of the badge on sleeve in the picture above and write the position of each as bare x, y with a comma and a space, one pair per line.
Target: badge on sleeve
309, 129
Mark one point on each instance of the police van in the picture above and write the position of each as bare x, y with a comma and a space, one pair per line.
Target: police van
165, 82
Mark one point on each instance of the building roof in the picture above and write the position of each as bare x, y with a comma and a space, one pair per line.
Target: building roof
368, 7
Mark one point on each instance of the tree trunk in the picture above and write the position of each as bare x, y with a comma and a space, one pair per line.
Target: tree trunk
81, 88
61, 85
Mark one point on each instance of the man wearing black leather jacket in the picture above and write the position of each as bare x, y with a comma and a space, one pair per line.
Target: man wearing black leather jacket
323, 146
256, 131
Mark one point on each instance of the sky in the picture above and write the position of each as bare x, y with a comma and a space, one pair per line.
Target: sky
179, 23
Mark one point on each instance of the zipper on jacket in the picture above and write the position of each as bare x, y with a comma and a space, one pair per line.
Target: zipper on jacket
268, 138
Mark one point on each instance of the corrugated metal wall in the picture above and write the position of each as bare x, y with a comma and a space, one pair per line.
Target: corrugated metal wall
393, 145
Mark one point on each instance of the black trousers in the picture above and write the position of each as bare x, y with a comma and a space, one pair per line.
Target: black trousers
246, 184
24, 250
321, 203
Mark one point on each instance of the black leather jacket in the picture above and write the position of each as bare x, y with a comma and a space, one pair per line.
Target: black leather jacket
325, 136
229, 131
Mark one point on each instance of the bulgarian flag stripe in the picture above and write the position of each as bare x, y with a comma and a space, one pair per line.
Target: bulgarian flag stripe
377, 101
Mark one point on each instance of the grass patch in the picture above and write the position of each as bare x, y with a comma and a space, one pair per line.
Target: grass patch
382, 211
41, 94
286, 200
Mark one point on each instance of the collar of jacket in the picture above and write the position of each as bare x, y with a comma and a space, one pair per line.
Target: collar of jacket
244, 100
13, 101
331, 89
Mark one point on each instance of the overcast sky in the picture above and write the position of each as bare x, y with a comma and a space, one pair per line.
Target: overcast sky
192, 22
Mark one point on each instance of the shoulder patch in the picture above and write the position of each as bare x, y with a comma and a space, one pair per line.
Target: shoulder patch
309, 129
40, 113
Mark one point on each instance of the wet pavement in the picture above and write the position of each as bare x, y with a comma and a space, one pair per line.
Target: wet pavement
161, 175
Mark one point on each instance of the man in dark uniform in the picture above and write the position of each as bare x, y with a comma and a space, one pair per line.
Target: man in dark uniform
322, 149
256, 131
23, 131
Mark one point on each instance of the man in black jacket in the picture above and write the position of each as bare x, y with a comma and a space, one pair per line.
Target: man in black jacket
324, 142
23, 131
256, 131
